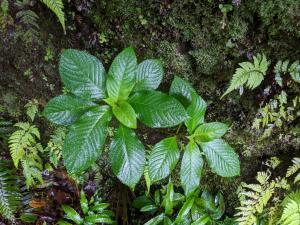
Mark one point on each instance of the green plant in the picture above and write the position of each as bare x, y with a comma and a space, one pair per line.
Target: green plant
10, 197
24, 148
32, 108
128, 90
205, 136
170, 207
249, 74
294, 169
57, 6
255, 197
55, 145
291, 212
94, 212
284, 67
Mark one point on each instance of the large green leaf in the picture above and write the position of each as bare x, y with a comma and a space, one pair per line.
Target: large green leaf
156, 109
168, 201
191, 168
163, 159
210, 131
185, 209
127, 156
83, 74
66, 109
194, 104
156, 220
125, 114
71, 214
221, 158
121, 75
86, 138
149, 75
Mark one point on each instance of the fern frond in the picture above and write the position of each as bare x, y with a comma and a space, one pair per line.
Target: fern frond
294, 71
255, 197
56, 6
32, 108
249, 74
55, 145
291, 212
28, 18
294, 169
32, 169
10, 197
22, 139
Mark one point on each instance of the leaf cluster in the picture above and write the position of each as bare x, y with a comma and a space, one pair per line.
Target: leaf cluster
170, 207
94, 212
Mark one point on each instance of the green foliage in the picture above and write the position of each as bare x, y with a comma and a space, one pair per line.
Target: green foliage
291, 212
32, 108
255, 197
10, 197
23, 147
294, 170
129, 93
94, 212
56, 6
202, 136
170, 207
284, 67
21, 140
249, 74
55, 145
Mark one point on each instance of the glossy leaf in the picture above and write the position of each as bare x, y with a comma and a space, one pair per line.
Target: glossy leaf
195, 105
66, 109
185, 209
83, 74
210, 131
125, 114
169, 199
149, 75
156, 220
127, 156
221, 158
84, 203
191, 168
121, 75
71, 214
163, 159
86, 138
93, 219
156, 109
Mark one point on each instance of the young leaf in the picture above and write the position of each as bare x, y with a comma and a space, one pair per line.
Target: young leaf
191, 167
163, 159
71, 214
121, 75
210, 131
156, 109
84, 142
156, 220
66, 109
125, 114
196, 111
194, 104
149, 75
221, 158
84, 202
185, 209
83, 74
127, 156
169, 199
94, 219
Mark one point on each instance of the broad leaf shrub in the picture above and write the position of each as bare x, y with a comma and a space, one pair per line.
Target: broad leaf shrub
127, 93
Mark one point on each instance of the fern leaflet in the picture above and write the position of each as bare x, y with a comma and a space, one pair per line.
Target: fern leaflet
249, 74
22, 139
56, 6
294, 169
10, 196
291, 212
